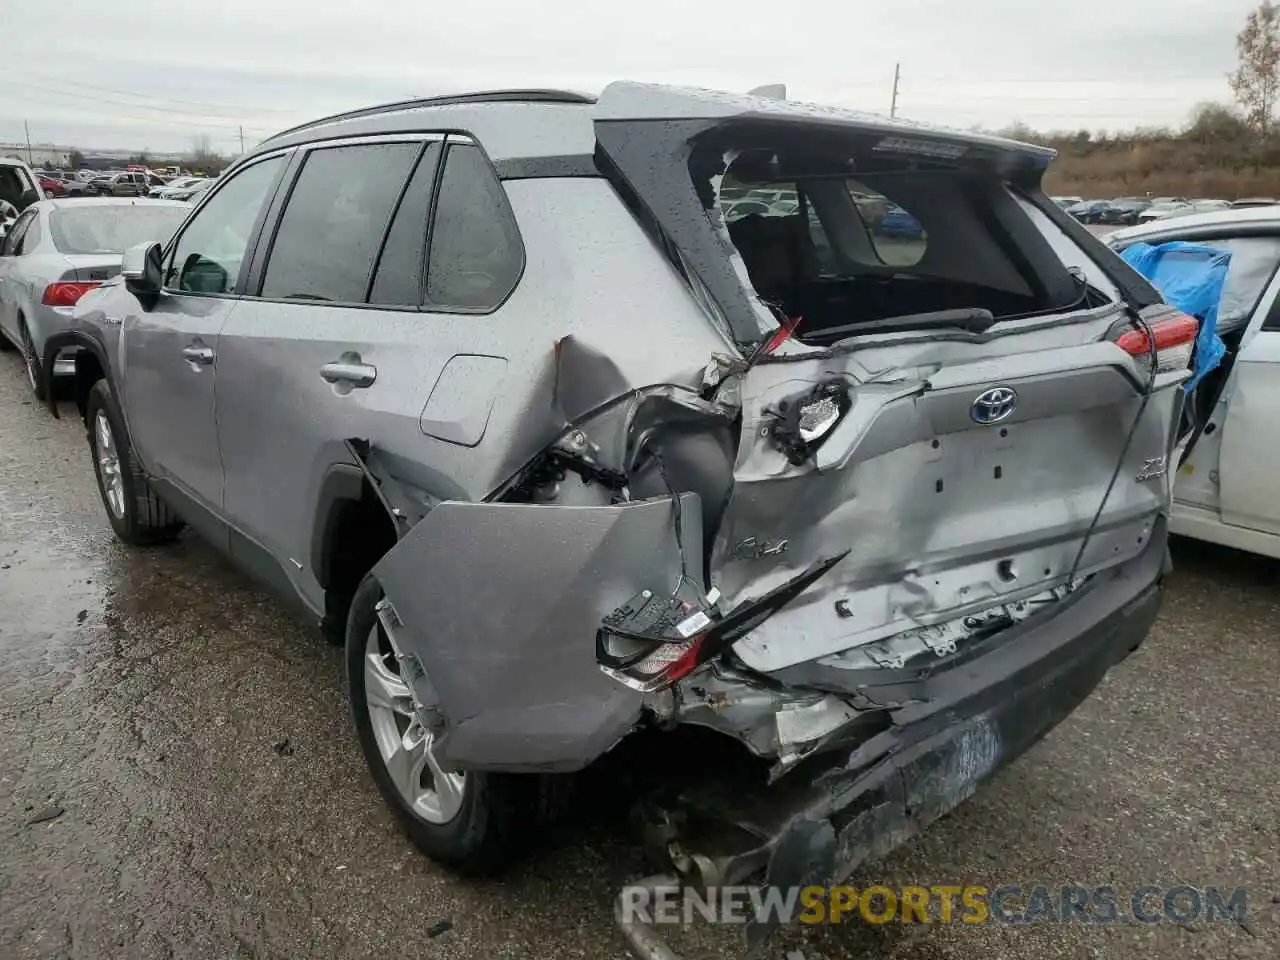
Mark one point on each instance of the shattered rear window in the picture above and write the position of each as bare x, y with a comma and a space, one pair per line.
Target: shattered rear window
904, 237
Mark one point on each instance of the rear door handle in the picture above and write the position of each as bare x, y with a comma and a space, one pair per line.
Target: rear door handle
352, 372
200, 355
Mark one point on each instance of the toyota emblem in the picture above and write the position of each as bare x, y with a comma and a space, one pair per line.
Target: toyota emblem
993, 406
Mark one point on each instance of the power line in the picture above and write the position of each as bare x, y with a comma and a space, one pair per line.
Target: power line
222, 122
222, 108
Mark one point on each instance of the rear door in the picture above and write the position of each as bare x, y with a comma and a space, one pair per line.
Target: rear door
348, 337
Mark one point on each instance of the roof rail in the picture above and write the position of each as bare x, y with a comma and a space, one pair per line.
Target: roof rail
493, 96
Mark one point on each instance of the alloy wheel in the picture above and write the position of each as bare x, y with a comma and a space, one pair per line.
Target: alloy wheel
30, 361
406, 747
109, 464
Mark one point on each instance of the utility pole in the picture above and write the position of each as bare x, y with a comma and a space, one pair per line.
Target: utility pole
242, 138
27, 127
893, 104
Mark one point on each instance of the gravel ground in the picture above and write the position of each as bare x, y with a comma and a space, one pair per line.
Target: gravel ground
189, 742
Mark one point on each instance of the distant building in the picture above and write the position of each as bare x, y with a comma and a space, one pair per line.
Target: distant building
41, 156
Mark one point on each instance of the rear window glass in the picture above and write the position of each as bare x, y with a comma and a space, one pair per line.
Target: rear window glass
335, 220
107, 228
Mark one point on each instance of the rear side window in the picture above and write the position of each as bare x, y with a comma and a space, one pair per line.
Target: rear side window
476, 256
13, 239
332, 228
31, 239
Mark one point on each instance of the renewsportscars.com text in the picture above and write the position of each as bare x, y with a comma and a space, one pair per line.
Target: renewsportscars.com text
943, 903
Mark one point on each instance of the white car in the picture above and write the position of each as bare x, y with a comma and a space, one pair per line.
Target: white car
177, 185
1225, 487
19, 188
1180, 208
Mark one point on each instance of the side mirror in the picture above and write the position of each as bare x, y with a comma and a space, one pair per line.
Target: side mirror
29, 196
141, 269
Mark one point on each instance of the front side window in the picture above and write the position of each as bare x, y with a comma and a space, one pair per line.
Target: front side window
210, 251
333, 225
476, 255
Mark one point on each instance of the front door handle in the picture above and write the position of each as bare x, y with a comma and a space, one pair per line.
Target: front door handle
350, 371
196, 354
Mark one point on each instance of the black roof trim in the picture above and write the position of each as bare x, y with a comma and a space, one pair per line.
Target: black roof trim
493, 96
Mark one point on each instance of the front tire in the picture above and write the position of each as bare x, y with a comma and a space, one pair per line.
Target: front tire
469, 821
136, 514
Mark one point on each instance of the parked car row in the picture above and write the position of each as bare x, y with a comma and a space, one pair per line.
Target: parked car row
134, 182
56, 252
572, 468
1129, 211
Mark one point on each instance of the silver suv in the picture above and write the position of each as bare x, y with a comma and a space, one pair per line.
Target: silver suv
573, 464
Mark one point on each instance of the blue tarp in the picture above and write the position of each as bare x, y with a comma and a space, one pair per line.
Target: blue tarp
1191, 277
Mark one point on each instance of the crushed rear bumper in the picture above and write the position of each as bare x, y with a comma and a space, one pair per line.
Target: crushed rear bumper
946, 731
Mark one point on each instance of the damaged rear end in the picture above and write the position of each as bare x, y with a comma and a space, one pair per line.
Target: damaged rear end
902, 525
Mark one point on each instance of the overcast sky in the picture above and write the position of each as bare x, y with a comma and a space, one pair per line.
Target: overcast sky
159, 75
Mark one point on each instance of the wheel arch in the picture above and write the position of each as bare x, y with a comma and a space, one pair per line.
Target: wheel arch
350, 534
91, 366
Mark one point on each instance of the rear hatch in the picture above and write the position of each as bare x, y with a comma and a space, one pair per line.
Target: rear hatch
949, 385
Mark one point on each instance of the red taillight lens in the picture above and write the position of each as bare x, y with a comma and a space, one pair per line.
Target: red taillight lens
65, 294
1174, 335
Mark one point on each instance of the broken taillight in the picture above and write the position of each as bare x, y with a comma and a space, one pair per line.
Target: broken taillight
802, 422
650, 642
1175, 339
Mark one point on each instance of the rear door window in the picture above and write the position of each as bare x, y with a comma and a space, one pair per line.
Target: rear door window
476, 255
334, 222
398, 279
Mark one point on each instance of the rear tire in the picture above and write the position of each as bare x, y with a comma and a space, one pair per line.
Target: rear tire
35, 376
136, 514
486, 828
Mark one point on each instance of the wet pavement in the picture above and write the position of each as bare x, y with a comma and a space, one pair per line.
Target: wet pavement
183, 742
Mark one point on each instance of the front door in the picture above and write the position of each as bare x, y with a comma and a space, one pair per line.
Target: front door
171, 350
